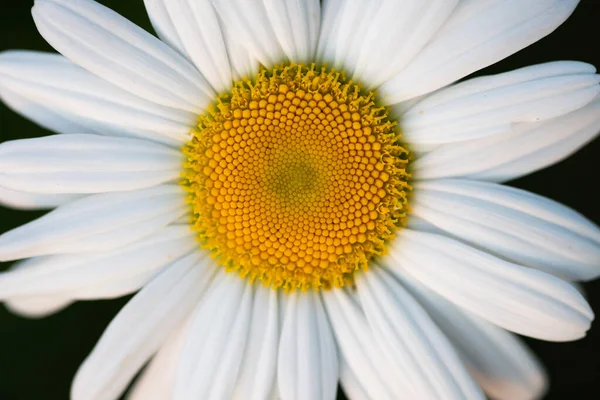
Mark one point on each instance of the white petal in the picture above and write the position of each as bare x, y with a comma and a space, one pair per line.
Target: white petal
197, 28
163, 24
308, 364
475, 36
359, 351
257, 374
72, 100
493, 104
39, 113
351, 384
141, 328
514, 224
33, 201
248, 22
96, 275
375, 40
101, 222
296, 24
504, 367
243, 63
157, 381
118, 51
520, 299
412, 343
36, 307
212, 354
81, 163
527, 148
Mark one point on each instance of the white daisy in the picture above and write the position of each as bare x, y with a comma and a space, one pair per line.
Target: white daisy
301, 195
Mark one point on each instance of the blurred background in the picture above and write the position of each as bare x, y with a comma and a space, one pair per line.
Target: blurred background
38, 358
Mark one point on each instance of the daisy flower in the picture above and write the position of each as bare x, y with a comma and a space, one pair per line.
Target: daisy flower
301, 194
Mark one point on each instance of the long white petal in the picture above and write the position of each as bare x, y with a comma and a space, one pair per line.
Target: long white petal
163, 24
375, 40
81, 163
308, 364
412, 343
526, 148
258, 371
243, 63
73, 100
90, 275
520, 299
296, 24
501, 363
197, 27
101, 222
493, 104
157, 381
249, 24
514, 224
359, 350
33, 201
476, 35
212, 354
141, 328
118, 51
39, 113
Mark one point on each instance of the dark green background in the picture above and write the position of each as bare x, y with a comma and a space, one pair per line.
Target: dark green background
39, 357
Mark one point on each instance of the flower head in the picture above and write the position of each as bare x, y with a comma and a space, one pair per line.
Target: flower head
302, 194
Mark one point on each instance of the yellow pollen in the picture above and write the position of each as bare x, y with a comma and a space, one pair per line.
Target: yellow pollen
296, 178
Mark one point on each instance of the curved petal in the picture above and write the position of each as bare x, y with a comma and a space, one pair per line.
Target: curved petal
360, 352
81, 163
197, 27
141, 327
520, 299
501, 363
526, 148
513, 224
374, 40
248, 23
101, 222
476, 35
64, 97
108, 45
493, 104
93, 275
308, 364
258, 371
412, 343
296, 24
163, 24
212, 354
41, 114
33, 201
157, 381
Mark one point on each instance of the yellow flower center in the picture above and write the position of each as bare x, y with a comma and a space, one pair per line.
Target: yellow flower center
296, 178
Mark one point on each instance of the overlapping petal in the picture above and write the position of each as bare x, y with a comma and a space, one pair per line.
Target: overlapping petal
520, 299
101, 222
492, 105
477, 34
140, 328
80, 163
110, 46
514, 224
65, 98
